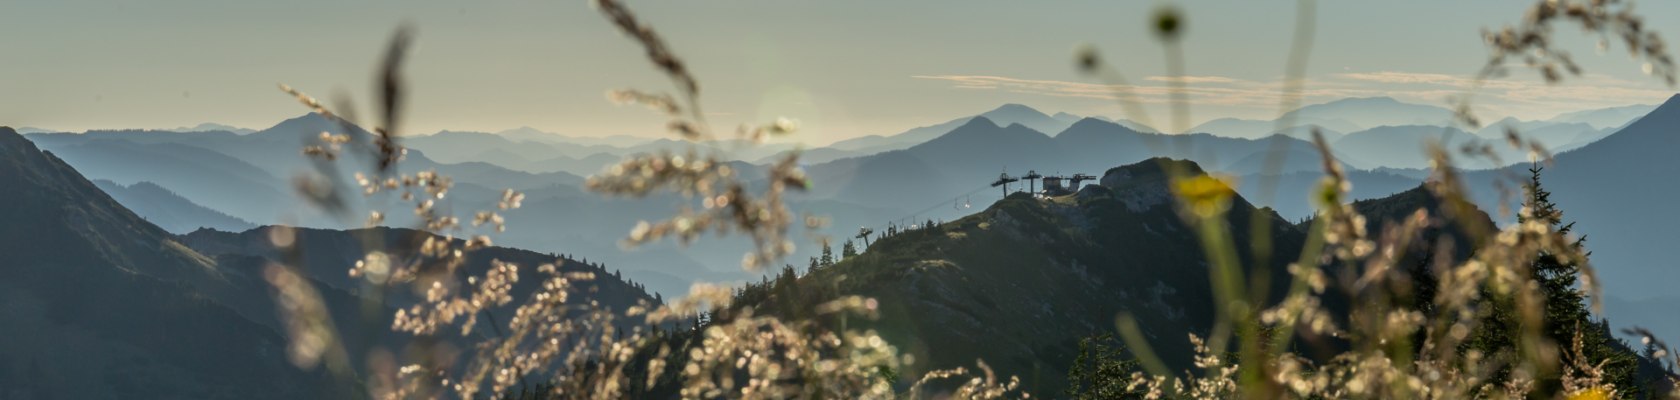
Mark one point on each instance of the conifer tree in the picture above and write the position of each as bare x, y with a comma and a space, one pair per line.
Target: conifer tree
827, 255
848, 249
1566, 314
1102, 370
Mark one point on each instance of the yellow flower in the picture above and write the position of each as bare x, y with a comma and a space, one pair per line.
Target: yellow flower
1205, 195
1590, 394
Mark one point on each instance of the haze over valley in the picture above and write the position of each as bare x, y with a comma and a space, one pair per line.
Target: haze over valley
837, 201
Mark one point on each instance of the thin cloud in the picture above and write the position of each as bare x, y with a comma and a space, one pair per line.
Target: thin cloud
1192, 79
1410, 78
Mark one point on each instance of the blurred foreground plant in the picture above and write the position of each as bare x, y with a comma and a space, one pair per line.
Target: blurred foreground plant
1507, 322
1483, 332
571, 346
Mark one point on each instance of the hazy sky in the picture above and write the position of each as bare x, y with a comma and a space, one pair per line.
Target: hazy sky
844, 68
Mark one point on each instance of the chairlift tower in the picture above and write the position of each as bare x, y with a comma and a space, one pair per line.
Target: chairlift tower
1032, 179
1004, 180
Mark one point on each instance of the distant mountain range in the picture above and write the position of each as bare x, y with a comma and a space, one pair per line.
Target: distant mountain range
101, 303
1616, 189
515, 154
251, 176
1346, 115
136, 232
1371, 112
526, 133
932, 172
1614, 186
219, 171
971, 155
531, 150
28, 130
1614, 117
211, 127
1557, 136
1253, 128
1007, 114
1619, 190
92, 288
1378, 117
168, 210
1401, 146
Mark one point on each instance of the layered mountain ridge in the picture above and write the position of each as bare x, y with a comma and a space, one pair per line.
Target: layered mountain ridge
106, 304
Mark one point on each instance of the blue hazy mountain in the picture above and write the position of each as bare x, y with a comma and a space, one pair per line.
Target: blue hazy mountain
1403, 146
953, 163
211, 126
530, 143
813, 156
168, 210
1613, 117
935, 179
1004, 115
1619, 190
29, 130
210, 178
457, 146
1290, 194
1010, 114
1129, 124
1616, 190
93, 288
972, 155
250, 176
985, 141
584, 166
1133, 125
1255, 129
1496, 130
1558, 137
1236, 127
1373, 112
526, 133
1345, 115
928, 179
1087, 144
1066, 117
880, 143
